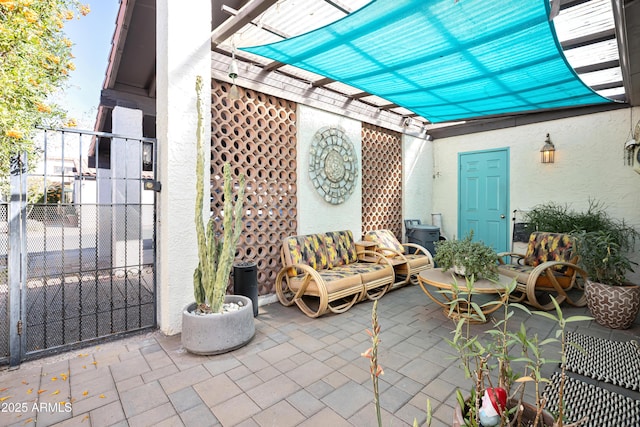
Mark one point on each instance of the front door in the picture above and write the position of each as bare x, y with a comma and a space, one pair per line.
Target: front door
483, 196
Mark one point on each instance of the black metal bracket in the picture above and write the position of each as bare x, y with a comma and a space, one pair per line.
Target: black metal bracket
150, 184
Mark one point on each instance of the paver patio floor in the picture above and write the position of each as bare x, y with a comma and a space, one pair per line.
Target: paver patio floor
296, 371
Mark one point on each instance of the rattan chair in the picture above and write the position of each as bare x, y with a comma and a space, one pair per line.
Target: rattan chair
549, 267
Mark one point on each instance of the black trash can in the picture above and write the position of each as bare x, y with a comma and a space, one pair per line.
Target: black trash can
424, 235
245, 282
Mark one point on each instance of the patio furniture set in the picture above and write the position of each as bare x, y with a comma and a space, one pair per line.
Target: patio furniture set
549, 267
331, 272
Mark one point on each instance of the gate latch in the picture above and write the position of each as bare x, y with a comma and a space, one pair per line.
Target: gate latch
19, 327
150, 184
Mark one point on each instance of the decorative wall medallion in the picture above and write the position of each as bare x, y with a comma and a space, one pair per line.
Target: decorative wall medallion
333, 165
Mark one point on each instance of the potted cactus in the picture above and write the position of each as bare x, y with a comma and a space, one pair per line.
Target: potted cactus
216, 322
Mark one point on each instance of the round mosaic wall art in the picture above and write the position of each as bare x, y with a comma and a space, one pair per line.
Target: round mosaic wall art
333, 165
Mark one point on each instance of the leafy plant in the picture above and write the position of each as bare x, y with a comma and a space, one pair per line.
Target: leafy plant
603, 258
603, 243
488, 359
556, 218
35, 61
475, 258
215, 253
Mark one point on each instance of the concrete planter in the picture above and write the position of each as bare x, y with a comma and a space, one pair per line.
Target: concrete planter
218, 333
615, 307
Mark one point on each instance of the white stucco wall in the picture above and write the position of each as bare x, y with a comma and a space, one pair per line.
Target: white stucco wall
315, 215
181, 56
417, 171
589, 165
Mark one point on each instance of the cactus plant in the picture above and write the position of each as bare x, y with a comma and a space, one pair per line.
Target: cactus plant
215, 253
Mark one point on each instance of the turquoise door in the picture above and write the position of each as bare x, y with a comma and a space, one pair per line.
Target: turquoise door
483, 197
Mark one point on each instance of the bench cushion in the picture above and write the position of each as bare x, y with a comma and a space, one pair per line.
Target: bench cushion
306, 249
341, 248
384, 239
335, 281
417, 260
369, 272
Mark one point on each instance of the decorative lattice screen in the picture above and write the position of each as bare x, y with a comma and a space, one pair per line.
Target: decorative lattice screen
381, 180
257, 136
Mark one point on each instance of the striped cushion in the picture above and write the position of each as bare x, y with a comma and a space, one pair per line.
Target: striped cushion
306, 249
341, 248
384, 239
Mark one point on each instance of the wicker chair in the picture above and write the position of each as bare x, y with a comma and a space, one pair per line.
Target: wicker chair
321, 273
408, 259
549, 267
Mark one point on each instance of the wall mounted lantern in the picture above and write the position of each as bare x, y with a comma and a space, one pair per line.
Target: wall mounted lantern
548, 151
234, 93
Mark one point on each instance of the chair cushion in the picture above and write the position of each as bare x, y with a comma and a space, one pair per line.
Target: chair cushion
341, 248
384, 239
521, 274
545, 246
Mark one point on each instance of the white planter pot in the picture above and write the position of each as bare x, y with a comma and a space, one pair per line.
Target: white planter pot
218, 333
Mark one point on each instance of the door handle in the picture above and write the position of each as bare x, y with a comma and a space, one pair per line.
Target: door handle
502, 216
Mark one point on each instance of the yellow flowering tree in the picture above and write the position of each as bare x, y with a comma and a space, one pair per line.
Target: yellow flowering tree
35, 61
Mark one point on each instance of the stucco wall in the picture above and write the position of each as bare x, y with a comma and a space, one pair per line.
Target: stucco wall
589, 165
315, 215
417, 170
182, 55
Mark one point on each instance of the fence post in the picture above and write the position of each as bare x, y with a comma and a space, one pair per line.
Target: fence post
17, 256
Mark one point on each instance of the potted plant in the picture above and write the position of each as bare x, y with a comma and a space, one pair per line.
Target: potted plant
603, 244
216, 322
467, 258
612, 300
496, 396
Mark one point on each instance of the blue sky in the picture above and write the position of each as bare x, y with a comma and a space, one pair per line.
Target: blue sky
91, 36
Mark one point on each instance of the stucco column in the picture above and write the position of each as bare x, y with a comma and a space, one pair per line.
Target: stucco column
119, 239
126, 169
183, 49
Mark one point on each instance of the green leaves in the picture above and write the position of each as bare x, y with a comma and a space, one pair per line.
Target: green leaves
603, 242
476, 258
35, 61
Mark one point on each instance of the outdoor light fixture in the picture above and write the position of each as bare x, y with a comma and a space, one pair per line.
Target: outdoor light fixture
234, 93
548, 151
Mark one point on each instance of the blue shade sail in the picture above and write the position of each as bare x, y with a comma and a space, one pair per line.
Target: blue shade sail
444, 59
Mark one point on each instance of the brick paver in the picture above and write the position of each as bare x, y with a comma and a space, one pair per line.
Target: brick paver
296, 371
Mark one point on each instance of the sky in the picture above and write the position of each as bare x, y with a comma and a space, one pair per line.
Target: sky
91, 36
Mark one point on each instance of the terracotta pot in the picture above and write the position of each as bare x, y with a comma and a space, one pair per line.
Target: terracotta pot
218, 333
613, 306
528, 416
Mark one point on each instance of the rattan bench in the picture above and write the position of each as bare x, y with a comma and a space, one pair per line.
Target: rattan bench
322, 272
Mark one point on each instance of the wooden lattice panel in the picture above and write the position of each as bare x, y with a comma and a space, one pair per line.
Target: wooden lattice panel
381, 180
257, 136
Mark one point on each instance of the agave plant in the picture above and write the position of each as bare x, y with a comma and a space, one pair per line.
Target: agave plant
215, 252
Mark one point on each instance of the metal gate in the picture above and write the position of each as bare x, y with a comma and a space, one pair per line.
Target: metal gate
77, 244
